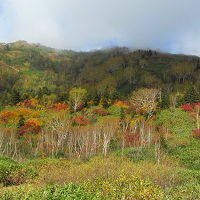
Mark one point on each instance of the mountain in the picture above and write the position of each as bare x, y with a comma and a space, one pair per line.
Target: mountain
29, 67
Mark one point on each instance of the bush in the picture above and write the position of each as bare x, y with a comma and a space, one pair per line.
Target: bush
114, 110
51, 192
100, 112
13, 173
7, 167
137, 154
104, 188
81, 120
61, 106
177, 121
186, 191
196, 133
188, 154
123, 187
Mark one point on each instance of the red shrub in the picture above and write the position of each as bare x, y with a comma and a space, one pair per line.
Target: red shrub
187, 107
27, 104
29, 128
132, 139
81, 120
61, 106
101, 112
80, 108
196, 133
195, 104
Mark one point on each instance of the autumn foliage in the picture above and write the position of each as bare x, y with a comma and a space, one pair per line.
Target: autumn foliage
6, 116
31, 126
132, 139
196, 133
100, 112
61, 106
30, 103
81, 120
190, 107
122, 104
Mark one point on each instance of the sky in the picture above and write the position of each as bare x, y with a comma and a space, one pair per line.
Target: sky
167, 25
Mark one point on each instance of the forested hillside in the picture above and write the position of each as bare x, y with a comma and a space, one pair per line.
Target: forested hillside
110, 124
32, 70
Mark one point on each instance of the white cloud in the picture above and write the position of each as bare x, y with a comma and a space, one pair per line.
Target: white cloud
169, 25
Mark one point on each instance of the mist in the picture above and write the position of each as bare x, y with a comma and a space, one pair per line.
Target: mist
166, 25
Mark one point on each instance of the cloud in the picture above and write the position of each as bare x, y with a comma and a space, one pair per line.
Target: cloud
168, 25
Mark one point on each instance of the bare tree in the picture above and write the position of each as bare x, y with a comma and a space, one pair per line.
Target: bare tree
76, 96
145, 100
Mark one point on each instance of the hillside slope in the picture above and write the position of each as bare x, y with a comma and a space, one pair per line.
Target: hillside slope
30, 67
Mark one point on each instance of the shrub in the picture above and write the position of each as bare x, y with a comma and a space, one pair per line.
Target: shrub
81, 120
187, 107
187, 154
123, 187
122, 104
177, 121
104, 188
61, 106
196, 133
29, 127
30, 103
186, 191
101, 112
6, 116
27, 112
115, 110
6, 168
13, 173
51, 192
190, 107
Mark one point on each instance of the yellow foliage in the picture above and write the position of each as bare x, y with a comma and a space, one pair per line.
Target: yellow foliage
121, 104
36, 121
27, 112
6, 115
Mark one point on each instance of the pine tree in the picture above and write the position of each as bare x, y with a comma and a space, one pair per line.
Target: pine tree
191, 95
165, 102
15, 97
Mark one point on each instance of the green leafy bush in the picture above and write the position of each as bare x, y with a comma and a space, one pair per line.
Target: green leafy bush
114, 110
51, 192
104, 188
188, 154
137, 154
124, 187
184, 192
13, 173
177, 121
7, 167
